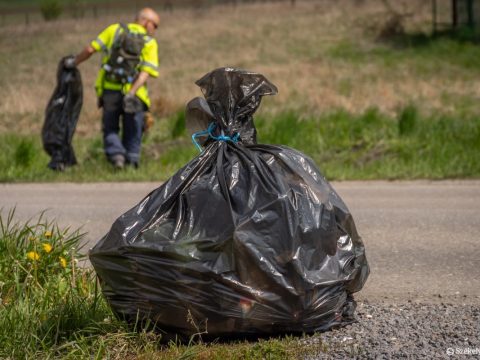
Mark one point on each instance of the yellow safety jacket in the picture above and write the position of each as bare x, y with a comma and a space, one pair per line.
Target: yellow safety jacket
148, 59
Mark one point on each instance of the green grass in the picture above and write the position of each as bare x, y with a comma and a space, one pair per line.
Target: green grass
50, 308
372, 145
23, 159
427, 56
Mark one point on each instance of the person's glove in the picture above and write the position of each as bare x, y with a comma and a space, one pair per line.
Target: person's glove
69, 62
132, 104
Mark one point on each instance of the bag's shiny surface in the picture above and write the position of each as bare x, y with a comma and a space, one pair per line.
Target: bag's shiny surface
61, 116
245, 239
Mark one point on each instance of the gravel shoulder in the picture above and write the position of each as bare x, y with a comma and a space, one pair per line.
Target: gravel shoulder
407, 330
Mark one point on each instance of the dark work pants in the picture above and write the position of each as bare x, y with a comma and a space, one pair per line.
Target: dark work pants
132, 127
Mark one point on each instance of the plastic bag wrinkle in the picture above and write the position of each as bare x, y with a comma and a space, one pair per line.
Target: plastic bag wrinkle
248, 239
61, 117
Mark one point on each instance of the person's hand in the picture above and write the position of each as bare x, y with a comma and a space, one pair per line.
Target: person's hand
69, 63
131, 104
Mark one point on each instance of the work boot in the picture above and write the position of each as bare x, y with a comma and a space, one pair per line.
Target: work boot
118, 161
132, 163
56, 166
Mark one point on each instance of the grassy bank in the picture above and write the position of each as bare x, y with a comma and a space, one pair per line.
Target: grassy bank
52, 309
370, 145
321, 55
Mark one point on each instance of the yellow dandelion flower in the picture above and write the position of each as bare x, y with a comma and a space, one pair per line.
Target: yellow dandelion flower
63, 262
47, 247
33, 255
32, 238
48, 234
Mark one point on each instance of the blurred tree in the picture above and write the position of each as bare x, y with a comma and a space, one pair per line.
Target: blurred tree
51, 9
397, 13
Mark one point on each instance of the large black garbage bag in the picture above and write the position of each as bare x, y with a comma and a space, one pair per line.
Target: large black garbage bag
245, 239
61, 116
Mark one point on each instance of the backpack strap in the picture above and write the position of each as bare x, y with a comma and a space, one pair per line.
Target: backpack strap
117, 32
124, 27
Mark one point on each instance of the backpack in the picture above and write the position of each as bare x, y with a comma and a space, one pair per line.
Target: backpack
124, 58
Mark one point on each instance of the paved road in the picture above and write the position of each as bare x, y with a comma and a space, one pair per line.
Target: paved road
422, 238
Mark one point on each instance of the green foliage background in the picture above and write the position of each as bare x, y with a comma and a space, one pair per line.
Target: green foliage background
371, 145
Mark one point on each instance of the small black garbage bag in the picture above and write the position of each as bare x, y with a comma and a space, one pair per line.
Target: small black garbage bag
246, 239
61, 117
